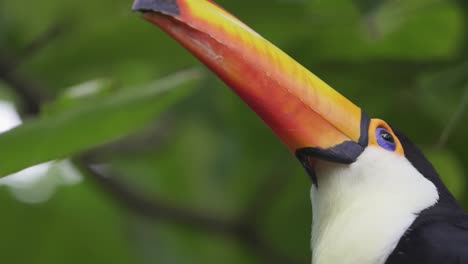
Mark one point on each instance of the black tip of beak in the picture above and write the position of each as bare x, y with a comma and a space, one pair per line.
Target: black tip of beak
163, 6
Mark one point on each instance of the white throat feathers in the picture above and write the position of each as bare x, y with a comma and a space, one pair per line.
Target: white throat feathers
361, 210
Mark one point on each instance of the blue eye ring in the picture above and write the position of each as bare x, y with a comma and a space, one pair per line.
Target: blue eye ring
385, 139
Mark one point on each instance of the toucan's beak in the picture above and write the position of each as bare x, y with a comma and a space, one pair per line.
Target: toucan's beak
312, 119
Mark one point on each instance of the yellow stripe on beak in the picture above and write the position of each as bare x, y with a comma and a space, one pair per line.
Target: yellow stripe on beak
302, 110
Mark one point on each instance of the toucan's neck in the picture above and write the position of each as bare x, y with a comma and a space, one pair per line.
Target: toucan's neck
422, 164
361, 210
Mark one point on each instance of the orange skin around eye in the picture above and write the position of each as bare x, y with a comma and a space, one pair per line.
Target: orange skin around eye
374, 124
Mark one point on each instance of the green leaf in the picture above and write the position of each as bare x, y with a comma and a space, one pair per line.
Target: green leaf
90, 124
79, 93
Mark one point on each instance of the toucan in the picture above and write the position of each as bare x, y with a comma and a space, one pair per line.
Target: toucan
375, 197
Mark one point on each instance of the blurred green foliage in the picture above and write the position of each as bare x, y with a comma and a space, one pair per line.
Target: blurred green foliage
68, 131
403, 61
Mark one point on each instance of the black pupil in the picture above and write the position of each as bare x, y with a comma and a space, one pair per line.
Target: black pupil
386, 136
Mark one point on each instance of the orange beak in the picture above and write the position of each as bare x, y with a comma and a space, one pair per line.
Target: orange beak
313, 120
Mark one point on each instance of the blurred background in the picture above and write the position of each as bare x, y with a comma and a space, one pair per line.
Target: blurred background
191, 175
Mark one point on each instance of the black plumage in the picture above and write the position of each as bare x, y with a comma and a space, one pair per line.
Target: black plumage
440, 233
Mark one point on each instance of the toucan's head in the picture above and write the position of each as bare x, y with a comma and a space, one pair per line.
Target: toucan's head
317, 124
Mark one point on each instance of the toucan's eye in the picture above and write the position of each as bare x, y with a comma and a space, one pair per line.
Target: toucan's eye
380, 134
385, 139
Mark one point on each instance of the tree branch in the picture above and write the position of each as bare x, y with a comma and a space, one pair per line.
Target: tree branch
27, 92
54, 31
151, 207
136, 201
